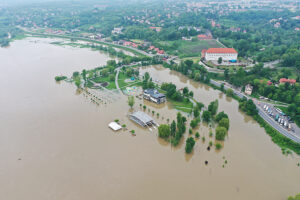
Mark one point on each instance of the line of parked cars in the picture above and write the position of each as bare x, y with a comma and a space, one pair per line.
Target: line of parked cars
279, 117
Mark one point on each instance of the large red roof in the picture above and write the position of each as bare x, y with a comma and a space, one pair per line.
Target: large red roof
284, 80
221, 50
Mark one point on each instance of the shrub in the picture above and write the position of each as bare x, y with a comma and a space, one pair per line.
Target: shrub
164, 131
60, 78
190, 142
218, 146
220, 133
197, 135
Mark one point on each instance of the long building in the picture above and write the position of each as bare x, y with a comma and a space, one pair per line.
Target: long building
227, 54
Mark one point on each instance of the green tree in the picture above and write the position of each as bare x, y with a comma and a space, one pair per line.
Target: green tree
220, 133
147, 76
112, 77
220, 60
173, 128
218, 146
297, 197
196, 113
84, 75
164, 131
189, 145
185, 91
229, 92
131, 101
206, 116
220, 116
224, 123
75, 74
77, 81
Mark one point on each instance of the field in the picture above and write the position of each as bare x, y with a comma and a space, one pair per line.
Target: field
184, 48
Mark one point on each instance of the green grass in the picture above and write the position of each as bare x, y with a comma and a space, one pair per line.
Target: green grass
111, 85
284, 109
188, 48
182, 106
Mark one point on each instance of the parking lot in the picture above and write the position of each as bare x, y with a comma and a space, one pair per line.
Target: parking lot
278, 116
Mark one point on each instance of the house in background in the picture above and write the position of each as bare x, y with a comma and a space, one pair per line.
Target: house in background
248, 89
154, 96
290, 81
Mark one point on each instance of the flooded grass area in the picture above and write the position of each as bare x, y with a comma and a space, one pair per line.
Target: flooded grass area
55, 142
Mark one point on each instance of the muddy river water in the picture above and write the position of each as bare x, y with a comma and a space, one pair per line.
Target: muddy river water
55, 143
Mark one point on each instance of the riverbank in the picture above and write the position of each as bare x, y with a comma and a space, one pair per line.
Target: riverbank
135, 51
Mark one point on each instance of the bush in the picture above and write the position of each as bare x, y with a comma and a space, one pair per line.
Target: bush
229, 92
164, 131
60, 78
112, 77
190, 142
218, 146
197, 135
220, 133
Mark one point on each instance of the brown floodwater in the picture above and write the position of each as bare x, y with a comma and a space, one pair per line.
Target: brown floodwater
55, 143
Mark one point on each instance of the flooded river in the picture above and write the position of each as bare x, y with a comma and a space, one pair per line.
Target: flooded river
55, 143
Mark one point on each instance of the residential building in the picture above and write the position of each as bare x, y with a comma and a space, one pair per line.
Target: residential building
117, 30
227, 54
290, 81
204, 37
154, 96
248, 89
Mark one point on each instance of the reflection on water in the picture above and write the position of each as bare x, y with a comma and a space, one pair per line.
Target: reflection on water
56, 144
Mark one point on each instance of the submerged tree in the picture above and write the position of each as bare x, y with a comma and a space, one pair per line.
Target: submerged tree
131, 101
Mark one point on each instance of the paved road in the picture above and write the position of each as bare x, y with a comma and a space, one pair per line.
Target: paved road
289, 134
209, 69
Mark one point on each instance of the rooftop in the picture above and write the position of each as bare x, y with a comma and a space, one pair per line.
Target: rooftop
221, 50
154, 93
142, 119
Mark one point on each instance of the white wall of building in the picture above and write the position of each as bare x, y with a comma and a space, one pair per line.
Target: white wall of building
224, 56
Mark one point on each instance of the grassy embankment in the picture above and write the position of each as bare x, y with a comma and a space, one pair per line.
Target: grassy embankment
87, 40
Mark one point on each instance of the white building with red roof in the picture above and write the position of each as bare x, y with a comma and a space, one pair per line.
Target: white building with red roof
227, 54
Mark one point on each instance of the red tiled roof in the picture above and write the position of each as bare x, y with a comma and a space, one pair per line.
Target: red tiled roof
284, 80
221, 50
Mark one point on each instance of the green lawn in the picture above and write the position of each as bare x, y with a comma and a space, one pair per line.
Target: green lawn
111, 84
182, 106
189, 48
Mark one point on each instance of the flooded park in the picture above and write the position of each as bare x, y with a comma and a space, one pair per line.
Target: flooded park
55, 142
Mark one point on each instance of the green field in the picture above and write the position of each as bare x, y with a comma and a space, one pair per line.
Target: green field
182, 106
111, 84
184, 48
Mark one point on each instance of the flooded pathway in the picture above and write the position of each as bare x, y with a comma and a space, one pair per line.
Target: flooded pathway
55, 143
